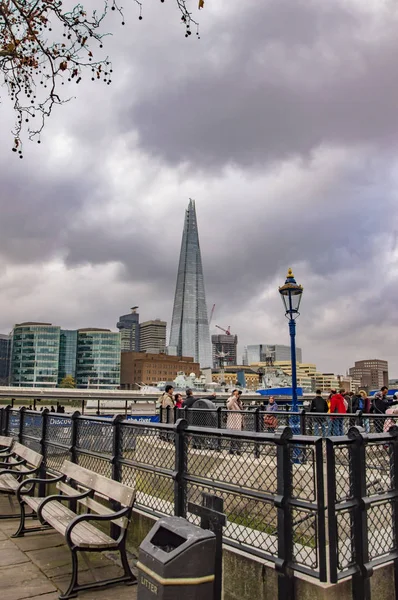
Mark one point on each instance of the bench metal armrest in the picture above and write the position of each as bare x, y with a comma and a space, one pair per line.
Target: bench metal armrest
31, 481
125, 512
59, 498
6, 465
19, 473
6, 453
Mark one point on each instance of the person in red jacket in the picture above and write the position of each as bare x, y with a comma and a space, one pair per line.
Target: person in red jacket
337, 406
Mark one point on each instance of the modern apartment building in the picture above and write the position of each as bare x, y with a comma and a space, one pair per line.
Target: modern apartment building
98, 359
189, 334
35, 355
268, 352
227, 344
142, 368
153, 336
43, 354
372, 373
129, 327
5, 356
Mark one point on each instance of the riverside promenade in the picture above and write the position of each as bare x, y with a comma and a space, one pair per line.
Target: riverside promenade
38, 566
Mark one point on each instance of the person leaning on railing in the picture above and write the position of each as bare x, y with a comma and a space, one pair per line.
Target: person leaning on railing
271, 421
164, 401
337, 406
379, 407
234, 419
319, 405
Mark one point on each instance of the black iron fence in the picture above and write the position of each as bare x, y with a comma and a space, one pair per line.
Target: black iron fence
273, 485
260, 420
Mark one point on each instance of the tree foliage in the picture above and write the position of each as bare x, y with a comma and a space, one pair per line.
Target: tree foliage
46, 43
68, 382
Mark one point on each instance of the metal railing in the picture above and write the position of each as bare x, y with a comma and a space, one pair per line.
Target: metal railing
273, 485
259, 420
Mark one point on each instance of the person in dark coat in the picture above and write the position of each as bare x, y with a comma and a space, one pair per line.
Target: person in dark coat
319, 405
379, 407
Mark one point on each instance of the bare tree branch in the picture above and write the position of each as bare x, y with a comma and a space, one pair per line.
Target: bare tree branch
42, 45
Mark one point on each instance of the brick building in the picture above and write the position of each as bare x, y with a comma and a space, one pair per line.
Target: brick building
372, 373
148, 369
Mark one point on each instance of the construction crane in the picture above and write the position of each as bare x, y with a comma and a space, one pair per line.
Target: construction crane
227, 331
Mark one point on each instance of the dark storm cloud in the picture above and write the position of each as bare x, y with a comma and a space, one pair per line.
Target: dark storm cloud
276, 80
280, 122
37, 207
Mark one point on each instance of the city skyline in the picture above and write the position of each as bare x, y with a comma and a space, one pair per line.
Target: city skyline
292, 163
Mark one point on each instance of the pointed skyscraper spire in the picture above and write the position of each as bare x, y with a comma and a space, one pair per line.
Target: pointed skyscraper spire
190, 335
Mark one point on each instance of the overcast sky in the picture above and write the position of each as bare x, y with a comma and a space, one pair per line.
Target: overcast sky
281, 122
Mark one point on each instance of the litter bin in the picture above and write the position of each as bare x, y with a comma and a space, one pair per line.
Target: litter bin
176, 561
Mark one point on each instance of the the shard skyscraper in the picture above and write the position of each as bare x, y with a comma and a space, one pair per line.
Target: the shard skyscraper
190, 335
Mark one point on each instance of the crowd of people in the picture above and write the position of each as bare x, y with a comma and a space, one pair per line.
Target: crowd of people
340, 403
337, 404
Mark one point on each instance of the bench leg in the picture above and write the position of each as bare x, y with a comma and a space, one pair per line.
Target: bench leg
72, 590
131, 578
22, 529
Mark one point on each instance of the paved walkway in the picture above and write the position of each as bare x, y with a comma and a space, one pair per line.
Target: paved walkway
38, 565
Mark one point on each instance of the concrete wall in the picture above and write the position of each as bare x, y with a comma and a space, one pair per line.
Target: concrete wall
248, 578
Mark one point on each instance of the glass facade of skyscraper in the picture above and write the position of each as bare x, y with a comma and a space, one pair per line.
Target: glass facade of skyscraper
35, 355
98, 359
190, 335
5, 356
67, 354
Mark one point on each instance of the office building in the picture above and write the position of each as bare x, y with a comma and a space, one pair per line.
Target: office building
5, 352
98, 359
143, 368
372, 373
227, 344
35, 355
67, 354
268, 353
129, 327
190, 335
153, 336
326, 382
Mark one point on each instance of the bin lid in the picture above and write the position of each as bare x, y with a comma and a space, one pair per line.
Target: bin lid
172, 536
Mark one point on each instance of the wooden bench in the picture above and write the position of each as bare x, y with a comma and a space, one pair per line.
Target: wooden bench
5, 445
19, 463
78, 487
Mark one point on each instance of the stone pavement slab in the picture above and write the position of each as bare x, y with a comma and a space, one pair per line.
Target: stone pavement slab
10, 554
23, 581
53, 596
38, 565
57, 561
46, 539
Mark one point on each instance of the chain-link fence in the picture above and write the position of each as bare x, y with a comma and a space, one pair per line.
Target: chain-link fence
272, 483
259, 419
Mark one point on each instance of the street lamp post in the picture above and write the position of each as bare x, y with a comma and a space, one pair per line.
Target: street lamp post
291, 294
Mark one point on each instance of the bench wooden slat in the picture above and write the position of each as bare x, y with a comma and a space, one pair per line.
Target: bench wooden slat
32, 458
59, 516
100, 509
112, 489
67, 489
33, 501
6, 441
21, 468
8, 482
